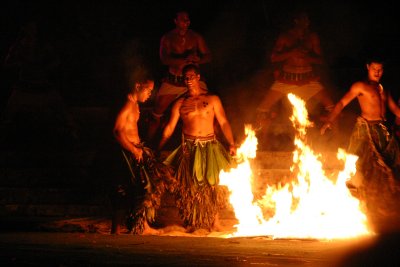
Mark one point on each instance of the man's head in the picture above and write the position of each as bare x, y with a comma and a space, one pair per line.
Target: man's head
182, 20
301, 20
191, 74
375, 70
143, 84
143, 90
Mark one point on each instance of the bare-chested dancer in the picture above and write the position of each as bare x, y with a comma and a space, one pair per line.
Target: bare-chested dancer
135, 196
178, 47
378, 166
200, 157
296, 54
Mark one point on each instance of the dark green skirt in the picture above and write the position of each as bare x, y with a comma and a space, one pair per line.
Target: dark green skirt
197, 166
148, 182
378, 169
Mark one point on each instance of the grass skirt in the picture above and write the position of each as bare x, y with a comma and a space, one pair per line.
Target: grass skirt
378, 166
147, 184
199, 195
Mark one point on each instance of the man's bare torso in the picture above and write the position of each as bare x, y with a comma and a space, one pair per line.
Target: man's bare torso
180, 47
304, 45
127, 123
197, 114
372, 99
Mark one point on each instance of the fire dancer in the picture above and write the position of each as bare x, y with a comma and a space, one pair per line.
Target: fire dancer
378, 167
141, 194
200, 157
296, 54
178, 47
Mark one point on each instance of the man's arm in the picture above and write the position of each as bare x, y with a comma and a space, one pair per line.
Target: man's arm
316, 56
165, 53
354, 91
120, 133
204, 50
170, 127
224, 124
278, 54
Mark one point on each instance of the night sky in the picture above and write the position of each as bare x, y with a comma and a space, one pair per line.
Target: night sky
94, 37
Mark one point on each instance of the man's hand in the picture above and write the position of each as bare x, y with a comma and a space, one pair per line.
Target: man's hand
327, 125
138, 153
232, 150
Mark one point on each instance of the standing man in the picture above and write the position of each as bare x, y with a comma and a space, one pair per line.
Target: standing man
200, 158
178, 47
296, 54
377, 181
138, 198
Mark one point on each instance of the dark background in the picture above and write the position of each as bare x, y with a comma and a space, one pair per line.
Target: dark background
97, 40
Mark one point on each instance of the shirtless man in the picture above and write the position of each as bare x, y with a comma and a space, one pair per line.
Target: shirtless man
200, 157
378, 166
134, 195
126, 129
178, 47
295, 53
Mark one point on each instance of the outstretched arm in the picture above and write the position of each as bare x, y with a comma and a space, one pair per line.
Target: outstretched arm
346, 99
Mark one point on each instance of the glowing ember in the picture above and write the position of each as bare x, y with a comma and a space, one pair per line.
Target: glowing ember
310, 206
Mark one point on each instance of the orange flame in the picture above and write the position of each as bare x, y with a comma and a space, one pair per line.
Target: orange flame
311, 206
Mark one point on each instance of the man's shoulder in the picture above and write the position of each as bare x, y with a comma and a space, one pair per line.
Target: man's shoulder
360, 85
180, 100
211, 96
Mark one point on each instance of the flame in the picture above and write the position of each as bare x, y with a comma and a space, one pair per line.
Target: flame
310, 206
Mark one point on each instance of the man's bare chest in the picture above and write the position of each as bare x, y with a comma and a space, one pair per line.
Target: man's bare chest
298, 42
183, 44
195, 106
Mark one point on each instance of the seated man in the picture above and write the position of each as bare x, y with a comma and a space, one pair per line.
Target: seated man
178, 47
296, 53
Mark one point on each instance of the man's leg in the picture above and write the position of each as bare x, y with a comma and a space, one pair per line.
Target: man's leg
264, 109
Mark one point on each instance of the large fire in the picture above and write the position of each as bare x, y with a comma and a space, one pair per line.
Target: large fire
310, 206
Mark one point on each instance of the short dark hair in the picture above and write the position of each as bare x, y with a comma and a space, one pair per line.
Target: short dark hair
189, 67
180, 12
141, 74
375, 58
